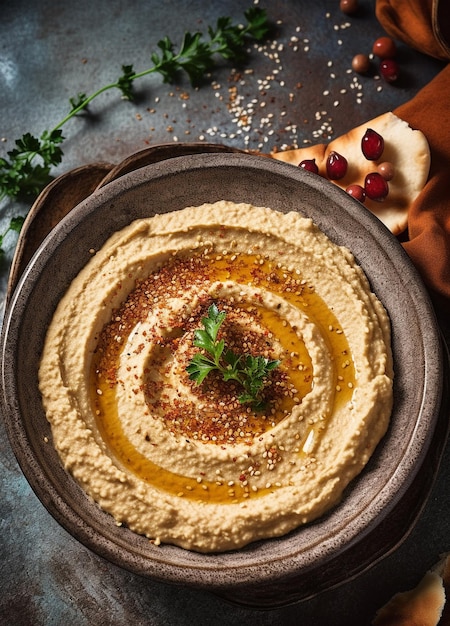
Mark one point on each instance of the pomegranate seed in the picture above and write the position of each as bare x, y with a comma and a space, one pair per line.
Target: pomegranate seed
372, 145
357, 192
348, 6
389, 70
336, 166
376, 187
387, 170
384, 48
310, 165
361, 63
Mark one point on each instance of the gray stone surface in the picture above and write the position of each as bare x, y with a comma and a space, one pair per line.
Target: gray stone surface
50, 51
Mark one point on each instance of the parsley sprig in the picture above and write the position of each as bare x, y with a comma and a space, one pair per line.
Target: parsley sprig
249, 371
15, 225
27, 168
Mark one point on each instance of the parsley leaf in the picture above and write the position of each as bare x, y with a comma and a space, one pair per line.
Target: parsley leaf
28, 170
77, 101
15, 224
125, 82
249, 371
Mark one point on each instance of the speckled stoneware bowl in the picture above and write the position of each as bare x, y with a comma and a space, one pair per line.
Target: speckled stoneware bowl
379, 506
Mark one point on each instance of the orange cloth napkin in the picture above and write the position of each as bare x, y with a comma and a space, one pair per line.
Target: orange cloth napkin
424, 24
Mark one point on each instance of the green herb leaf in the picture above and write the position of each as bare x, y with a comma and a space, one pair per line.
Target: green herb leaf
16, 223
229, 40
77, 101
199, 367
258, 27
125, 82
214, 321
28, 170
249, 371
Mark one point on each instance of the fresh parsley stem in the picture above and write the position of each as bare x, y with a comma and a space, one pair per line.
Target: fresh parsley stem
28, 169
84, 104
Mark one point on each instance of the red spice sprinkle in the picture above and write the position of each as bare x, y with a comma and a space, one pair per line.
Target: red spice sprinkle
223, 418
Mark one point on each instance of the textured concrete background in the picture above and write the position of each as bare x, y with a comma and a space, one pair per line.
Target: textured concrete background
299, 91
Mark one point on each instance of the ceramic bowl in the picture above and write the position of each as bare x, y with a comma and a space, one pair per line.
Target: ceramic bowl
388, 494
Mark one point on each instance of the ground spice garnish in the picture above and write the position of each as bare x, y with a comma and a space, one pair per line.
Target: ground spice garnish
213, 413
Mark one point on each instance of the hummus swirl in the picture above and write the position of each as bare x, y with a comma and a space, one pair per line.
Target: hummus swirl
187, 463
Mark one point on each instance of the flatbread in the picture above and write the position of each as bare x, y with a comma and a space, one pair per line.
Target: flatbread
422, 606
405, 148
425, 605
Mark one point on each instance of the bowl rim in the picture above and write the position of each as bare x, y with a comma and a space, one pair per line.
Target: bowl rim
240, 570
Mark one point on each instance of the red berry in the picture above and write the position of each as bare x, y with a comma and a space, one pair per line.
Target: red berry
336, 166
310, 165
376, 187
387, 170
372, 145
389, 70
357, 192
384, 48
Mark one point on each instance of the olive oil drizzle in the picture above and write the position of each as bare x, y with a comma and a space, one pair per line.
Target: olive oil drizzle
242, 269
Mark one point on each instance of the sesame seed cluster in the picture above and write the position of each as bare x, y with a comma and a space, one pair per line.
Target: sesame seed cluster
262, 108
211, 412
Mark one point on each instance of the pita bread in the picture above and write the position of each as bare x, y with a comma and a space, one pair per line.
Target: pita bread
422, 606
425, 605
405, 148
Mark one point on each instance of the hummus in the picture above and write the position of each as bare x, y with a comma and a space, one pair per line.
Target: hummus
190, 464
